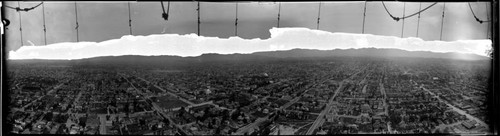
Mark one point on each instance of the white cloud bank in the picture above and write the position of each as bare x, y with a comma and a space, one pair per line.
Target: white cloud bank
281, 39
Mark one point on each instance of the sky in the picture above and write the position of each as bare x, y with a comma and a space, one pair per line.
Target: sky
103, 21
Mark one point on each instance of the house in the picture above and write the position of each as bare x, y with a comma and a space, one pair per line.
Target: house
469, 124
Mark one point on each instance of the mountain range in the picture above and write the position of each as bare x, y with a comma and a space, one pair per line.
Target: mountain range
369, 52
273, 55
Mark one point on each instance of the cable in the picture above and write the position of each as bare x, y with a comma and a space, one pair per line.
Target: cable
279, 12
6, 23
198, 9
129, 19
165, 15
76, 15
403, 26
25, 9
364, 16
477, 19
442, 22
404, 17
236, 21
44, 28
319, 13
418, 22
20, 24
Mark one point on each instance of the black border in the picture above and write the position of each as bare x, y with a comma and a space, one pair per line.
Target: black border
492, 100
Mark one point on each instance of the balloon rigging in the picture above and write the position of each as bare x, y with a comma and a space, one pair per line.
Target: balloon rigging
165, 16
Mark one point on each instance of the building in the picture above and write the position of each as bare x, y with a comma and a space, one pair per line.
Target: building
469, 124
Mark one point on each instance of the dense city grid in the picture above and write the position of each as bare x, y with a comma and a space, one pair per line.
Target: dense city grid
351, 95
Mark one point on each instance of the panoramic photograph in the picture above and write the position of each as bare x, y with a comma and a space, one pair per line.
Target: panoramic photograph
247, 67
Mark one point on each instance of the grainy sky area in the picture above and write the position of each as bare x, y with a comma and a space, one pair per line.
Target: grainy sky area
101, 21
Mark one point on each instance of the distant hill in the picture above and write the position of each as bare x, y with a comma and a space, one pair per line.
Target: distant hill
232, 57
262, 56
368, 52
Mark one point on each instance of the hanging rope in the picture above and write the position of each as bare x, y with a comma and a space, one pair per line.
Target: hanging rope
25, 9
129, 19
198, 9
404, 17
364, 16
6, 23
76, 18
319, 13
236, 21
442, 22
477, 19
44, 28
403, 26
165, 15
20, 24
279, 12
418, 22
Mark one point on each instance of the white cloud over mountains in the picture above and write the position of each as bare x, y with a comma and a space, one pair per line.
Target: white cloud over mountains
281, 39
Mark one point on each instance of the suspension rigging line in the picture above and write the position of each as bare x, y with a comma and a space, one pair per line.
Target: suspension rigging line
44, 28
20, 24
477, 19
18, 8
364, 16
76, 18
418, 22
198, 9
236, 21
279, 13
165, 14
6, 23
319, 13
404, 17
442, 22
403, 26
129, 19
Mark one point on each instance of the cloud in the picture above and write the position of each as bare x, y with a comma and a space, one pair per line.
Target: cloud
281, 39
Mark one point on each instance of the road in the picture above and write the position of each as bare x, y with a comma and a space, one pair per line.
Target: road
169, 92
77, 99
259, 121
39, 98
386, 107
320, 119
102, 126
158, 109
470, 117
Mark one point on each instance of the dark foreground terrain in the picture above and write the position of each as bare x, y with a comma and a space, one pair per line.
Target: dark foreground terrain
364, 91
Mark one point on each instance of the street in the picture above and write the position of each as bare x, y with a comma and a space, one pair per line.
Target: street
470, 117
48, 93
158, 109
320, 119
